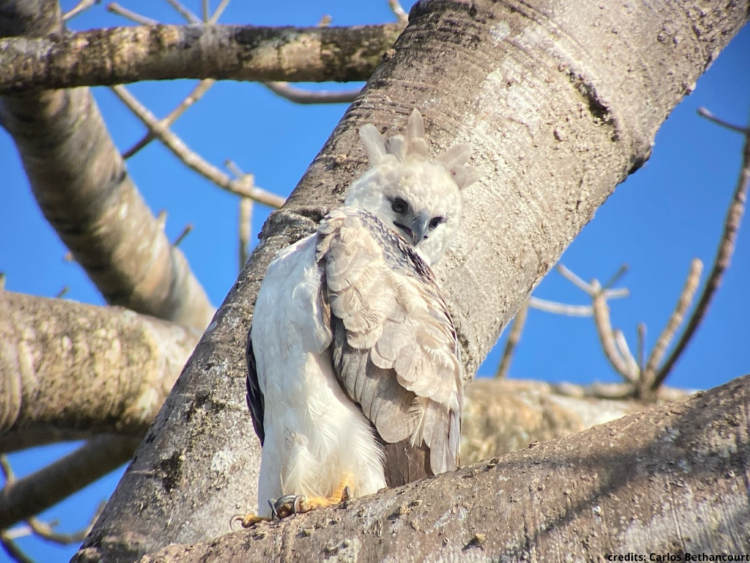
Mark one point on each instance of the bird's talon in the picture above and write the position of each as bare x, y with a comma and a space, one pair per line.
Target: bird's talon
346, 493
274, 513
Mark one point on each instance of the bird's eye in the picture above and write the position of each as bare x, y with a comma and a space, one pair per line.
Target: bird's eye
399, 205
435, 221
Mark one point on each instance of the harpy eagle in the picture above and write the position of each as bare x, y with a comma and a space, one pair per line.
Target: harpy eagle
354, 371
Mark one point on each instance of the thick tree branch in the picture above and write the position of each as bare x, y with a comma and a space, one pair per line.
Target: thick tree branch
603, 491
83, 188
104, 57
69, 365
550, 79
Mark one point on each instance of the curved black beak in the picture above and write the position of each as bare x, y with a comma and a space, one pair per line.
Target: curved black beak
419, 228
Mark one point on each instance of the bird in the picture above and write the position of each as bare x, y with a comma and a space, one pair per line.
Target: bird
355, 381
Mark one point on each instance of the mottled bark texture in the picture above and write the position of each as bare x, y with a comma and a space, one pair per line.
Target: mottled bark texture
84, 190
162, 52
672, 479
66, 365
561, 101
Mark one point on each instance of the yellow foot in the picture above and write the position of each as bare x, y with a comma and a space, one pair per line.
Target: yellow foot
293, 504
247, 521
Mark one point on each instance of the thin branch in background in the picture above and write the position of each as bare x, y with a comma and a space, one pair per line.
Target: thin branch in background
617, 276
246, 222
184, 12
641, 334
401, 15
574, 279
724, 254
246, 214
12, 550
613, 343
82, 6
115, 8
627, 355
607, 337
62, 293
37, 527
46, 531
703, 112
32, 494
206, 10
513, 338
191, 159
185, 232
217, 13
195, 95
560, 308
674, 323
300, 96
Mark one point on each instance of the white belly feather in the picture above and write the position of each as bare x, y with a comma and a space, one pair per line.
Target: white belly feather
314, 434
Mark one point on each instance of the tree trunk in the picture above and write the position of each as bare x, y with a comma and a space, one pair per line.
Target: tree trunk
561, 101
672, 479
85, 192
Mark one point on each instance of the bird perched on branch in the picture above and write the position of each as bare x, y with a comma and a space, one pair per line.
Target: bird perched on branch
354, 374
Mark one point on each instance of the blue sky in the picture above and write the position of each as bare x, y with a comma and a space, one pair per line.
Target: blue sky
669, 212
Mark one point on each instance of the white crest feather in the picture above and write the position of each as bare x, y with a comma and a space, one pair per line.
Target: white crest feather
373, 142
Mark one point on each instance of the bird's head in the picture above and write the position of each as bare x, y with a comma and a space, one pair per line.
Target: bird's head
417, 197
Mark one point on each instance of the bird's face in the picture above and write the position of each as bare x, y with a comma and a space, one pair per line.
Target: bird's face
418, 200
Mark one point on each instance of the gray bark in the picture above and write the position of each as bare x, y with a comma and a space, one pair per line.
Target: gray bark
163, 52
672, 479
561, 101
83, 188
66, 365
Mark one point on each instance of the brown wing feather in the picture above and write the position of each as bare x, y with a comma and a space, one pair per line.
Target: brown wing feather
394, 345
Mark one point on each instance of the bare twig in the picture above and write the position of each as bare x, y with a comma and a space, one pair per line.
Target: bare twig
665, 338
574, 279
246, 222
703, 112
217, 13
723, 255
45, 530
184, 12
196, 94
82, 6
627, 355
560, 308
300, 96
62, 293
402, 16
607, 337
191, 159
206, 10
641, 347
12, 550
615, 277
185, 232
115, 8
513, 338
